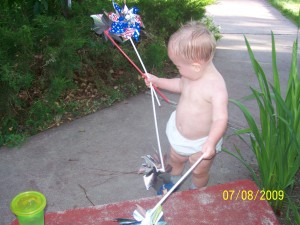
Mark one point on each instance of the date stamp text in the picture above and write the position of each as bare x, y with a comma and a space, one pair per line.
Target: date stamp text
250, 195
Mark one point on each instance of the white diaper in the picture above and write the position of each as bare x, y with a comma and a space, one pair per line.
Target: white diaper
182, 145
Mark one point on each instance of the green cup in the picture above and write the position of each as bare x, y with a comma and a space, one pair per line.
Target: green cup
29, 208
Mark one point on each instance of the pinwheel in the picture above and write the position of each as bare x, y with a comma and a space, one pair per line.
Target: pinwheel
122, 25
154, 216
154, 176
143, 217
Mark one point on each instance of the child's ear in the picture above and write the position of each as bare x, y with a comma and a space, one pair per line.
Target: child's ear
197, 67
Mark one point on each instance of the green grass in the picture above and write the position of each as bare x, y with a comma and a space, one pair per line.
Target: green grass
289, 8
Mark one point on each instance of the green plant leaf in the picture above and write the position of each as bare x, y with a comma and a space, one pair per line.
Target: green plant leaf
250, 120
243, 161
275, 137
260, 75
274, 66
243, 131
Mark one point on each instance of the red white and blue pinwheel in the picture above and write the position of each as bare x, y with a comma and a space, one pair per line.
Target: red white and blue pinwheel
119, 26
122, 24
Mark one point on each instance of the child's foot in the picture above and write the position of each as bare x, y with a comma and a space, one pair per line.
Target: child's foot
165, 188
193, 186
175, 178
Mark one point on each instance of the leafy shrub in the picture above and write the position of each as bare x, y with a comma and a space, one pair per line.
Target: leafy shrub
53, 67
215, 30
156, 55
9, 133
15, 56
39, 115
164, 17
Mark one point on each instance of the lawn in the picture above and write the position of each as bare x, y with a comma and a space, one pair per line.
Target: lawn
289, 8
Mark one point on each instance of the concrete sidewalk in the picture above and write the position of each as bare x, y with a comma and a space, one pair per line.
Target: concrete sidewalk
93, 160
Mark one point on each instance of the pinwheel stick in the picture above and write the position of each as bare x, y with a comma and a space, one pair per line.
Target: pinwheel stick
176, 185
153, 106
145, 70
134, 65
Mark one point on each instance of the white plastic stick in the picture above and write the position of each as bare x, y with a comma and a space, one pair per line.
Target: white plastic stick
153, 93
157, 133
176, 185
141, 61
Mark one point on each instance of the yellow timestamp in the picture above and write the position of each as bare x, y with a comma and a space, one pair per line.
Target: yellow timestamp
250, 195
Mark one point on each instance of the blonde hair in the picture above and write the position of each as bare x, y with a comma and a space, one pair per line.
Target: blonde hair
193, 42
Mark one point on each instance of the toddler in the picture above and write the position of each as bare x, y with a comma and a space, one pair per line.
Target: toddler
200, 119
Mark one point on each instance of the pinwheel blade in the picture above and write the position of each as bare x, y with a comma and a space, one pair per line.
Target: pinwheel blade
124, 221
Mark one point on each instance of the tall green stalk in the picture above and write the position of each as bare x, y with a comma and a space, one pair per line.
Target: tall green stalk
275, 141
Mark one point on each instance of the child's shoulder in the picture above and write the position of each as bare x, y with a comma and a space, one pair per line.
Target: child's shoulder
214, 77
215, 83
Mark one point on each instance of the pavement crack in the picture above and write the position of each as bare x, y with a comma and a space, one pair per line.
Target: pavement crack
86, 196
113, 172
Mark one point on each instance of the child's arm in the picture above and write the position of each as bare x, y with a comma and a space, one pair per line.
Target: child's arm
173, 85
219, 120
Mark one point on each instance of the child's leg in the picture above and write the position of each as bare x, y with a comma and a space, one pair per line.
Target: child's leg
177, 162
200, 175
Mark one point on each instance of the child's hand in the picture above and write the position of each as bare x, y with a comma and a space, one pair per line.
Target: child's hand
208, 150
150, 78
